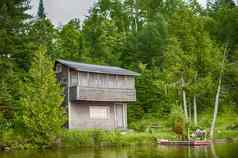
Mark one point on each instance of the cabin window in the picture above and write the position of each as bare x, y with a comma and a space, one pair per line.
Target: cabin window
58, 68
99, 112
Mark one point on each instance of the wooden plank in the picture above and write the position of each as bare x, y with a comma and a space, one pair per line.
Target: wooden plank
102, 94
189, 143
105, 80
69, 99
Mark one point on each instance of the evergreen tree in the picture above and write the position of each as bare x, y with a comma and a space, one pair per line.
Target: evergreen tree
222, 3
13, 14
42, 32
41, 10
12, 17
41, 113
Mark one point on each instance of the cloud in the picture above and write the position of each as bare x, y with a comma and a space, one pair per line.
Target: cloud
61, 11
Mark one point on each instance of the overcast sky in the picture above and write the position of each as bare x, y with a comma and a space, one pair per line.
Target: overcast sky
61, 11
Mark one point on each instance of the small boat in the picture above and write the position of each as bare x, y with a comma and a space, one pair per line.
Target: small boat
188, 143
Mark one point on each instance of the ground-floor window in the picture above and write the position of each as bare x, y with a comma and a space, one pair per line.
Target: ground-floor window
99, 112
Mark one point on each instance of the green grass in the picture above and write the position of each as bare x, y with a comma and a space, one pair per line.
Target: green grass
76, 138
102, 138
93, 137
226, 134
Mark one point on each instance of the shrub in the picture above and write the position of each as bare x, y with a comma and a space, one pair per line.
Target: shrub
141, 125
177, 122
95, 137
13, 139
228, 134
77, 138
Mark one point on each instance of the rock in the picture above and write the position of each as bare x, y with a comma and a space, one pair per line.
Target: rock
7, 148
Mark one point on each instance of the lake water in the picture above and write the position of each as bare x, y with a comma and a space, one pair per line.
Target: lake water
229, 150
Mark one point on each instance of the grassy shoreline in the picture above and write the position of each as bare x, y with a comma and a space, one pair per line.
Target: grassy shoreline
89, 138
102, 138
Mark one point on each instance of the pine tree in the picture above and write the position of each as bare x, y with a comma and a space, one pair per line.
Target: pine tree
12, 16
41, 10
41, 113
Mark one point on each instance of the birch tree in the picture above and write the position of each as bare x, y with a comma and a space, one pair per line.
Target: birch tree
192, 58
195, 118
217, 98
185, 107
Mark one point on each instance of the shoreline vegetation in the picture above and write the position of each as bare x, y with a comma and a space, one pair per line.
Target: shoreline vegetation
103, 138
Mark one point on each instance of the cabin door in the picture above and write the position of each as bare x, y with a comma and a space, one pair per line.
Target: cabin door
119, 115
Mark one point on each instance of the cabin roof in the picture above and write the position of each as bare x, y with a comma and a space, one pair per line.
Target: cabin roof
97, 68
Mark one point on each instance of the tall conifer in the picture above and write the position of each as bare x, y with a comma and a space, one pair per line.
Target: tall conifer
41, 10
42, 114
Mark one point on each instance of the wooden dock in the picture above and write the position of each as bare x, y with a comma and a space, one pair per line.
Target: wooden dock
187, 143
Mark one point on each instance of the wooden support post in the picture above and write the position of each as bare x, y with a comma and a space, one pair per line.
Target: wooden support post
68, 98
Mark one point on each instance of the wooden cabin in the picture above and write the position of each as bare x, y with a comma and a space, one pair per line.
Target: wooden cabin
96, 96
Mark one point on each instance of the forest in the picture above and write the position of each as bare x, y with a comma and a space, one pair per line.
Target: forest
187, 55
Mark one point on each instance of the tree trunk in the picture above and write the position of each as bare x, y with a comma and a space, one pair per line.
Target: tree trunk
213, 151
213, 125
190, 112
215, 109
195, 110
185, 108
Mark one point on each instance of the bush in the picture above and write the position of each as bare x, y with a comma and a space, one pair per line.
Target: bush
228, 134
94, 137
226, 120
13, 139
76, 138
140, 125
4, 124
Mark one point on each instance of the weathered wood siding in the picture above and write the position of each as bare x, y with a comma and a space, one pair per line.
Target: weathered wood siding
101, 87
86, 79
62, 76
102, 94
97, 87
80, 117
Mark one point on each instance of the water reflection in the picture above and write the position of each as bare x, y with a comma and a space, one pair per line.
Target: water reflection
213, 151
188, 151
